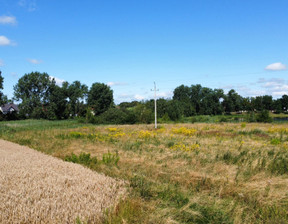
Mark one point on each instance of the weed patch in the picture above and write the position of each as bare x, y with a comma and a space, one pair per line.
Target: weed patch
173, 196
279, 165
201, 214
83, 158
111, 158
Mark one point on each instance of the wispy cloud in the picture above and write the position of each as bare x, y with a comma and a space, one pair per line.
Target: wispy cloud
275, 87
116, 84
34, 61
278, 66
227, 87
1, 62
58, 81
8, 20
14, 75
30, 5
139, 97
168, 94
4, 41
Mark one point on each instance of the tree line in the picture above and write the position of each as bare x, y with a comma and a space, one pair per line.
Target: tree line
40, 98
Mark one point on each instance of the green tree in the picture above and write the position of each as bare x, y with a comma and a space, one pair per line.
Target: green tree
196, 96
3, 98
182, 94
277, 106
257, 103
100, 97
209, 101
34, 90
267, 102
76, 93
174, 110
232, 102
284, 102
246, 104
143, 113
58, 103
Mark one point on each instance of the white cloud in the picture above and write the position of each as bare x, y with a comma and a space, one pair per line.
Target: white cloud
165, 94
4, 41
34, 61
276, 67
8, 20
116, 84
246, 91
139, 97
274, 87
1, 62
30, 5
279, 94
59, 82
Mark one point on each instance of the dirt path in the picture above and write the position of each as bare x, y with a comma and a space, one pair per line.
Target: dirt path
35, 188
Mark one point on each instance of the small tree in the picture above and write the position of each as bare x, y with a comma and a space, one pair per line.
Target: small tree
100, 97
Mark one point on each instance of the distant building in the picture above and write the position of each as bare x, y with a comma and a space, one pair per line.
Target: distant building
9, 108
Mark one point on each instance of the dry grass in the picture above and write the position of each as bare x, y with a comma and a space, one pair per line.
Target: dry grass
185, 173
37, 188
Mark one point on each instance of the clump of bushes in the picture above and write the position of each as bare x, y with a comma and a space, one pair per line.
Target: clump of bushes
86, 159
264, 116
83, 158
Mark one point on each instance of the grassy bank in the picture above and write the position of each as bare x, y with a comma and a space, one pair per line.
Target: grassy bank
179, 173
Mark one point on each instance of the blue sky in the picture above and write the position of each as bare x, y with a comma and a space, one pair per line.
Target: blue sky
239, 44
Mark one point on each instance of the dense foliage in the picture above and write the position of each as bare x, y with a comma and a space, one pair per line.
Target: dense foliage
3, 98
40, 97
100, 98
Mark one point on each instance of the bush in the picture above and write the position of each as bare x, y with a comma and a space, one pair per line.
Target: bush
251, 117
83, 158
112, 116
110, 158
264, 116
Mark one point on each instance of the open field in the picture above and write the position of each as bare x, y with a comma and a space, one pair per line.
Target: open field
179, 173
37, 188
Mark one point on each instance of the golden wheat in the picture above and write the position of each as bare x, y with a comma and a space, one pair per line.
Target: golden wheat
37, 188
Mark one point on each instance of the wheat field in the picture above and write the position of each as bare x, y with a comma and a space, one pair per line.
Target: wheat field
38, 188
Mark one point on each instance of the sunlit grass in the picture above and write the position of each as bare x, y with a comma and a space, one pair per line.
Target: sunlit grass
179, 173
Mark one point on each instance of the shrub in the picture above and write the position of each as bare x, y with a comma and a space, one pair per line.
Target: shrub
275, 141
111, 158
264, 116
142, 186
83, 158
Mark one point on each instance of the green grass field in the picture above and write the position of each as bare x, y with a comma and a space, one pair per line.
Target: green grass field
179, 173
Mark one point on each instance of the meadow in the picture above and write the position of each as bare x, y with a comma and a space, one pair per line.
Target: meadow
178, 173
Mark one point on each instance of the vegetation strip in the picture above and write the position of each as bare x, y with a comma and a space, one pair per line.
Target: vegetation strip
178, 173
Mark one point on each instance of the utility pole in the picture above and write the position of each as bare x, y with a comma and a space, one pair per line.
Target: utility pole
155, 103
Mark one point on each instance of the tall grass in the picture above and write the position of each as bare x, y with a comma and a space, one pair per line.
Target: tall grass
180, 173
